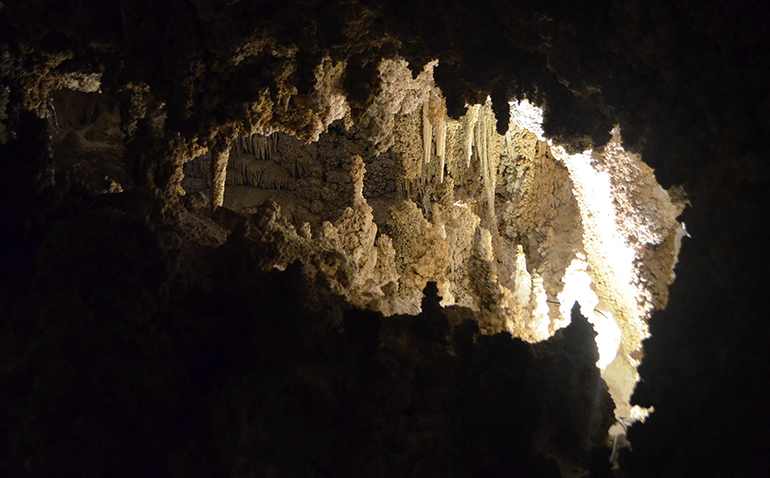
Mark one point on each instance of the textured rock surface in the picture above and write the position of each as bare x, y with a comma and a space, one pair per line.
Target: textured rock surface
84, 205
496, 220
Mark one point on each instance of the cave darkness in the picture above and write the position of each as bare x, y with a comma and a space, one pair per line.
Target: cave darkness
131, 347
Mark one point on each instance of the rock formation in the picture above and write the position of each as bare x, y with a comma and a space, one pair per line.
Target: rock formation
339, 239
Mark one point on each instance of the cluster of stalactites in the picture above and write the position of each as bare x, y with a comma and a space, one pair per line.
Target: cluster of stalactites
262, 147
477, 138
434, 128
469, 123
484, 131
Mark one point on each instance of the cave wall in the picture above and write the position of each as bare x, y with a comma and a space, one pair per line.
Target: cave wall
685, 81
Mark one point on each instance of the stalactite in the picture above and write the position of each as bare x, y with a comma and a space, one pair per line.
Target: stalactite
267, 146
483, 136
480, 145
251, 160
262, 147
441, 143
470, 123
219, 159
509, 145
427, 131
253, 173
441, 170
406, 187
491, 163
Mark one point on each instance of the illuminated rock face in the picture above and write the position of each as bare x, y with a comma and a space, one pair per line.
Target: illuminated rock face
509, 225
183, 79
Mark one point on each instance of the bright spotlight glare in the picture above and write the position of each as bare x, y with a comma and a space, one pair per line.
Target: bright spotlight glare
527, 116
540, 314
577, 288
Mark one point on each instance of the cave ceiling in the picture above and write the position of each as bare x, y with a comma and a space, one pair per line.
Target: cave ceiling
517, 155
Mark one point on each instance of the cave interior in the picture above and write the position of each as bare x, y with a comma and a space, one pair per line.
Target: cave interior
365, 238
